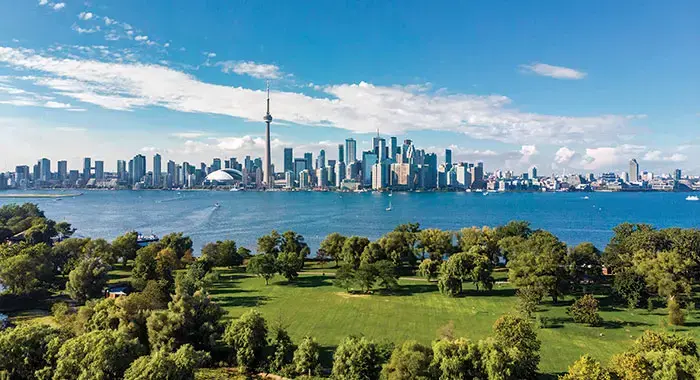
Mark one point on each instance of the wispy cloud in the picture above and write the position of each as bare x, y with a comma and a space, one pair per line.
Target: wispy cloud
255, 70
52, 5
361, 107
85, 16
558, 72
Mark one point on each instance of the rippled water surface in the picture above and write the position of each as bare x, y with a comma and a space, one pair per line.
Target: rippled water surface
243, 216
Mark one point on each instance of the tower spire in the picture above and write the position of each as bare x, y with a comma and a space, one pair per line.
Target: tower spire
268, 176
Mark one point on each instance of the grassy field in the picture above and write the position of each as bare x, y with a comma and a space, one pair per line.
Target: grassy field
312, 306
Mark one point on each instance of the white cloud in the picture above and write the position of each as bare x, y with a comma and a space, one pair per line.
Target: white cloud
361, 107
81, 30
141, 38
610, 157
527, 151
210, 55
657, 155
52, 104
557, 72
564, 155
59, 6
85, 15
43, 2
255, 70
188, 135
109, 21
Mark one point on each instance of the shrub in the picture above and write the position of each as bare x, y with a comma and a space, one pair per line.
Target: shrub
585, 310
676, 316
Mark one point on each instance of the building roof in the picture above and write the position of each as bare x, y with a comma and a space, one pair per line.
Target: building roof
225, 175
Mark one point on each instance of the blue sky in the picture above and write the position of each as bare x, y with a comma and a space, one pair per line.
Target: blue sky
581, 86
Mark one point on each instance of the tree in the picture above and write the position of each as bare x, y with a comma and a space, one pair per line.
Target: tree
289, 264
386, 274
628, 239
484, 239
357, 358
585, 310
269, 244
529, 297
583, 264
344, 277
541, 263
435, 242
27, 349
293, 242
41, 231
99, 248
87, 280
307, 356
457, 359
145, 266
631, 287
262, 265
190, 319
222, 254
665, 272
366, 276
244, 252
179, 243
399, 246
65, 229
282, 350
657, 355
163, 365
586, 368
28, 271
247, 338
449, 284
372, 253
518, 338
514, 228
411, 360
510, 246
66, 254
429, 269
676, 316
126, 246
352, 250
99, 355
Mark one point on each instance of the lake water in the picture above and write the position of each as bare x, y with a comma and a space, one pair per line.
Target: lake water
243, 216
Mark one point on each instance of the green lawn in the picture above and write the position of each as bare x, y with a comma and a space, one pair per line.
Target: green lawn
312, 306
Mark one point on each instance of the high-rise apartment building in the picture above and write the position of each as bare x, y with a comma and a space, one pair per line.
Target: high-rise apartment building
350, 150
393, 148
309, 157
99, 170
634, 170
45, 170
62, 170
321, 159
341, 153
87, 167
288, 160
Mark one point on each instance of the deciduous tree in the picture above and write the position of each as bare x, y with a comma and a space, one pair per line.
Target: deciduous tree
411, 360
163, 365
333, 246
262, 265
247, 338
88, 279
357, 358
307, 356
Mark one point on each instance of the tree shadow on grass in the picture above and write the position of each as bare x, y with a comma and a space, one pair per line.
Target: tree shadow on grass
549, 376
489, 293
309, 282
408, 290
326, 359
243, 301
213, 291
620, 324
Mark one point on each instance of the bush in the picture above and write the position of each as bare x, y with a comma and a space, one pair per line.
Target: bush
631, 287
676, 316
586, 368
528, 299
585, 310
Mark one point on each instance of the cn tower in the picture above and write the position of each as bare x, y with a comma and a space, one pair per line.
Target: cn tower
268, 180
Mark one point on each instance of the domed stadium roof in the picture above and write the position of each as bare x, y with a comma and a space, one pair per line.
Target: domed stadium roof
225, 175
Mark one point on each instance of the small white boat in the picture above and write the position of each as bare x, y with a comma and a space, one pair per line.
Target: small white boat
389, 208
217, 205
235, 189
692, 198
586, 197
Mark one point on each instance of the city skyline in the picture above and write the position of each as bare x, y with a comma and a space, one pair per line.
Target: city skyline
559, 94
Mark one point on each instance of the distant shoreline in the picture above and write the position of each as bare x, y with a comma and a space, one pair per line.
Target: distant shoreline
20, 195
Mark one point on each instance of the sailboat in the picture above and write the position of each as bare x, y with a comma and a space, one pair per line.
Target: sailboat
389, 208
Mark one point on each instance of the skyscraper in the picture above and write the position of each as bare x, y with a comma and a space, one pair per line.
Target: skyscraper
381, 149
267, 173
87, 165
677, 175
172, 176
45, 170
533, 172
121, 170
321, 159
309, 157
156, 170
448, 158
350, 150
99, 170
341, 153
393, 149
288, 160
216, 164
62, 170
634, 170
369, 158
139, 170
